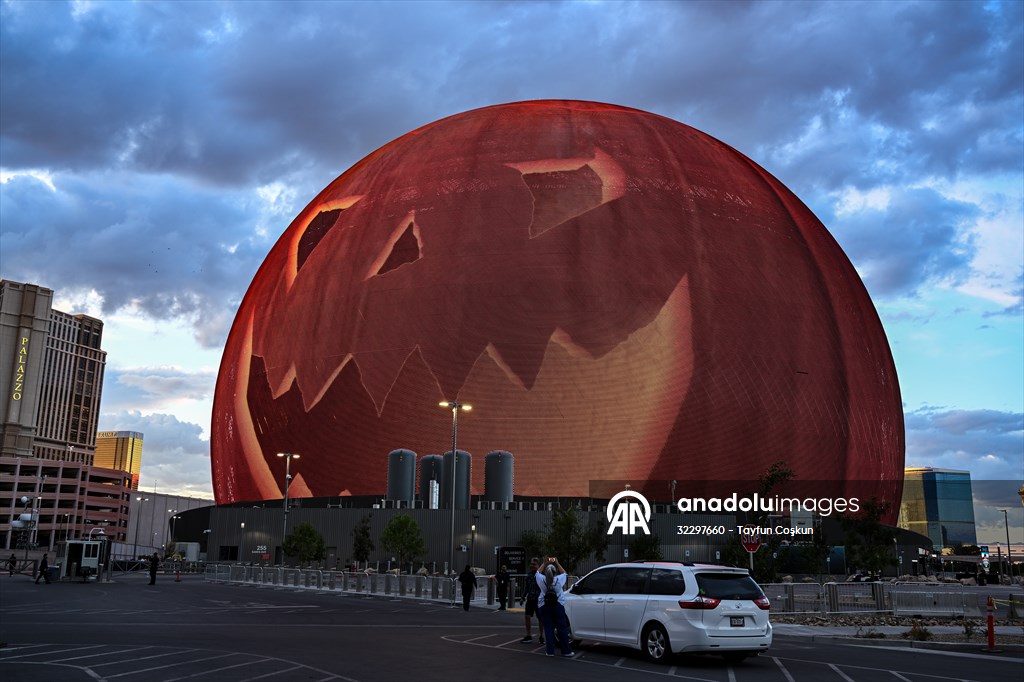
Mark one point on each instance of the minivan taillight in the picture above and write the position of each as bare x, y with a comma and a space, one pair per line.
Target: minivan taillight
700, 603
763, 603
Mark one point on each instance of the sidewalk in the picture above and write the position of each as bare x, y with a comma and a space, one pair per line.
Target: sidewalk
893, 637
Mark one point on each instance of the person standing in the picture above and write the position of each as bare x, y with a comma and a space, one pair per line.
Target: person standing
44, 571
531, 597
154, 564
501, 580
12, 563
552, 585
468, 580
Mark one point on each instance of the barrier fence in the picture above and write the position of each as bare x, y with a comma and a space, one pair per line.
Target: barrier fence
439, 588
899, 599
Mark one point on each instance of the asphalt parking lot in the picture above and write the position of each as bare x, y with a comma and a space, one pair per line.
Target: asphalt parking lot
192, 630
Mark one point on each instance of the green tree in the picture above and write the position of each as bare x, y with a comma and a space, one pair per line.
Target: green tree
362, 544
869, 544
402, 537
306, 544
533, 543
573, 543
646, 548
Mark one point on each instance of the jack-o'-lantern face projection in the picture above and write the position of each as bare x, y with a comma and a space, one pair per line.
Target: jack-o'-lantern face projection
618, 295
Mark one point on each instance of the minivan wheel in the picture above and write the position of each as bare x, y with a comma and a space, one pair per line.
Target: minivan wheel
655, 643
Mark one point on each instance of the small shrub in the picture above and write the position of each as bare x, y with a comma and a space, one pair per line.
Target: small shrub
969, 628
918, 633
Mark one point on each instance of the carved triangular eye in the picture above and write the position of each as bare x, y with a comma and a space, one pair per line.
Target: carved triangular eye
406, 249
315, 232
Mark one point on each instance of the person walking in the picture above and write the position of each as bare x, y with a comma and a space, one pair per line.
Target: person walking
44, 571
501, 580
531, 597
552, 579
154, 564
12, 563
468, 580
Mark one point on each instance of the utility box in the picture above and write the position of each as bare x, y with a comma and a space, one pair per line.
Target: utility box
81, 559
188, 551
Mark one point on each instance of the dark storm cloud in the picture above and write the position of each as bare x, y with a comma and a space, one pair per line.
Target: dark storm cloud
917, 238
169, 247
158, 121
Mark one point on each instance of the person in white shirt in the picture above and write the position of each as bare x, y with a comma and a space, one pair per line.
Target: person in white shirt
551, 579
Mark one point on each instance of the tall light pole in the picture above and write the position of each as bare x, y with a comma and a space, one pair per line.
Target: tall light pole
1009, 555
454, 407
172, 512
288, 457
472, 545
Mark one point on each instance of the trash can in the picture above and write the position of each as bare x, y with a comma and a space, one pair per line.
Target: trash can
54, 572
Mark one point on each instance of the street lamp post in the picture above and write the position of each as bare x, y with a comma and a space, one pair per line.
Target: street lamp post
172, 512
242, 547
454, 407
288, 457
472, 545
1009, 555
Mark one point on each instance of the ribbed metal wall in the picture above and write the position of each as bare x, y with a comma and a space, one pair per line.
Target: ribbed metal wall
494, 528
401, 475
463, 471
499, 476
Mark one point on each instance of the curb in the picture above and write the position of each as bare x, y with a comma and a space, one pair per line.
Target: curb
972, 647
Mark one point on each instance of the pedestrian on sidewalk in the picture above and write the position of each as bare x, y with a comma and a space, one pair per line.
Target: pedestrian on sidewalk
12, 563
44, 570
531, 595
154, 564
468, 580
501, 580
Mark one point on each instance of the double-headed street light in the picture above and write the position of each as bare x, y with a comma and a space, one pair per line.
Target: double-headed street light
288, 457
454, 407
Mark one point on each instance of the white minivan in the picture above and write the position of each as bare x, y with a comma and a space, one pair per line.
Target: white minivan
664, 607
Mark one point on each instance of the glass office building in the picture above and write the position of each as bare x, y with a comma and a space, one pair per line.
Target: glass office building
938, 503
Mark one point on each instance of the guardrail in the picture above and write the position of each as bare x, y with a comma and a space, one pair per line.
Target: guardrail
437, 588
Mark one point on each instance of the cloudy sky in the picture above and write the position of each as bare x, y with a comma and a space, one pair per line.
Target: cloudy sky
151, 153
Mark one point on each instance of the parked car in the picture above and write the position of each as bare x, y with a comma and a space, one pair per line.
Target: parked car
663, 607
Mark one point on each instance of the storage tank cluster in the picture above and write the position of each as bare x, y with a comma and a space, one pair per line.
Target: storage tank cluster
499, 476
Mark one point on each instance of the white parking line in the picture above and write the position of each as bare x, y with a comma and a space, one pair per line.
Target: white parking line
840, 673
59, 651
511, 641
618, 663
145, 658
732, 673
783, 669
478, 638
900, 677
217, 670
173, 665
102, 653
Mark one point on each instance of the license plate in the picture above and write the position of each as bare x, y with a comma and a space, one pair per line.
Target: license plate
736, 621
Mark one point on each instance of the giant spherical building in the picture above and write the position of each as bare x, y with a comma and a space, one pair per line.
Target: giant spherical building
620, 297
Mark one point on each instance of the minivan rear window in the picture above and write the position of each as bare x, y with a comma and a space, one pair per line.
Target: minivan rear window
728, 586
